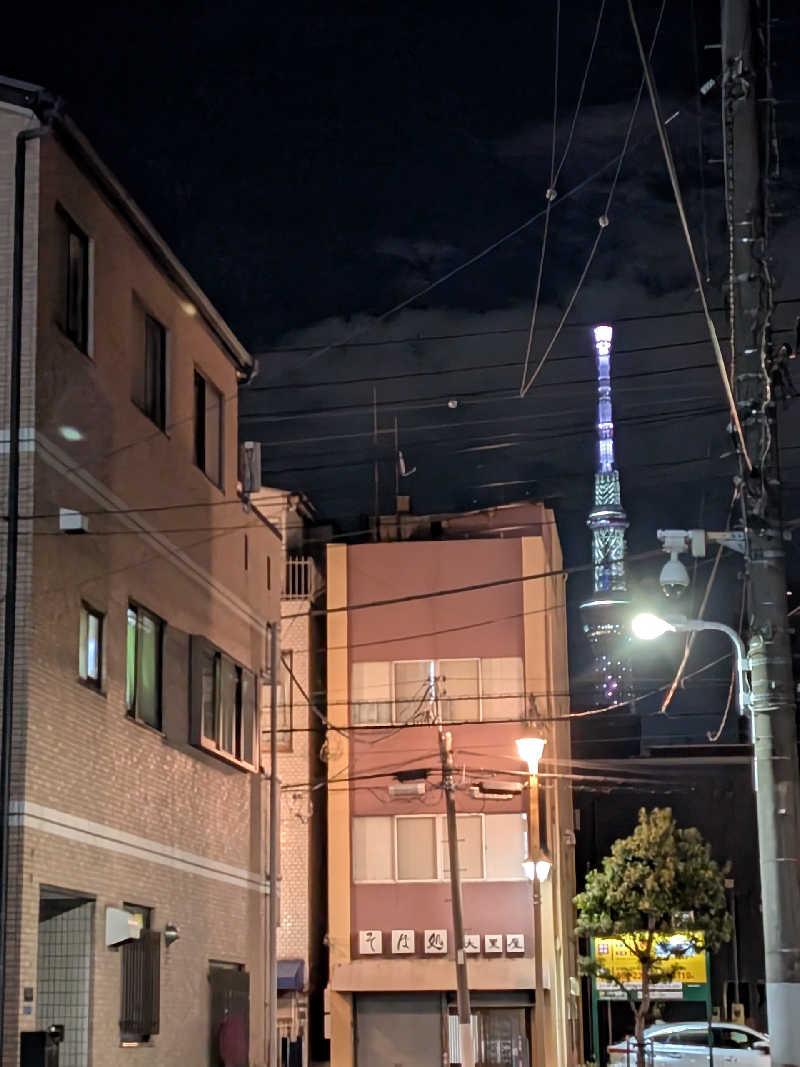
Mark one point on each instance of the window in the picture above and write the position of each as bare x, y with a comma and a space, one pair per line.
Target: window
407, 691
141, 982
371, 693
416, 848
224, 705
372, 849
145, 649
90, 646
408, 848
208, 428
150, 384
503, 686
505, 846
470, 846
74, 299
458, 689
413, 690
725, 1037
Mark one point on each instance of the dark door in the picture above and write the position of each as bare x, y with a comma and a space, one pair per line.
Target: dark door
230, 1015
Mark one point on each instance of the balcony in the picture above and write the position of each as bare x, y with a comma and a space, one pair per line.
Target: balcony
300, 579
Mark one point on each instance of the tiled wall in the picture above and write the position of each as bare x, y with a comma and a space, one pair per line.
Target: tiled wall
64, 976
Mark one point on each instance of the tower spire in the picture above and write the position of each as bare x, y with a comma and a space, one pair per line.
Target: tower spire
605, 613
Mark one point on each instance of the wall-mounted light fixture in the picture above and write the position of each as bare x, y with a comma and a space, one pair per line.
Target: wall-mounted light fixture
171, 934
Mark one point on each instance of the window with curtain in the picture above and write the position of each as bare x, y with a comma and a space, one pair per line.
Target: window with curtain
413, 690
416, 848
458, 687
90, 647
470, 846
145, 649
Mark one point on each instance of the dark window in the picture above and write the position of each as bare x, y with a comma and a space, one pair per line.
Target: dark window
208, 428
141, 982
143, 682
730, 1038
74, 312
223, 704
90, 650
150, 386
269, 572
283, 700
246, 553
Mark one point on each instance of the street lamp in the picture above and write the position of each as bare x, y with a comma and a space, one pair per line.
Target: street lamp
537, 868
647, 627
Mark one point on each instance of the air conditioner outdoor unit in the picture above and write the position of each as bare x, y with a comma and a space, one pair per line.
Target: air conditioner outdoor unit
407, 789
250, 466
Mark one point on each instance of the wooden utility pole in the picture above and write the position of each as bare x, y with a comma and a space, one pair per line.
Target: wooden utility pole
755, 367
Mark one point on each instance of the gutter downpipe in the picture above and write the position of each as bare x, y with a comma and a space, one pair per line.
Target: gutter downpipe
12, 541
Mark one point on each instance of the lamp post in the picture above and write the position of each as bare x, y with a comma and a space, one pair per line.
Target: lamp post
537, 868
647, 627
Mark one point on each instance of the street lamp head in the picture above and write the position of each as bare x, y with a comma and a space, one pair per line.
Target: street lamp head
647, 627
539, 869
530, 750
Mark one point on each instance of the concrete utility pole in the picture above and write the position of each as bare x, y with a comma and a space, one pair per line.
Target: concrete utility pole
755, 369
274, 850
462, 985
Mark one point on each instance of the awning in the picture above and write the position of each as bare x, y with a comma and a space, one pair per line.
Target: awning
291, 974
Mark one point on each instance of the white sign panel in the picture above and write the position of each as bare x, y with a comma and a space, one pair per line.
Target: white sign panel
403, 942
370, 942
472, 943
515, 943
492, 943
436, 942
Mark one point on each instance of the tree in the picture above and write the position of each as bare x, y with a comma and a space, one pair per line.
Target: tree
659, 881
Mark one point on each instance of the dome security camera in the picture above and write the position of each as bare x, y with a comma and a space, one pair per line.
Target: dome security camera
674, 577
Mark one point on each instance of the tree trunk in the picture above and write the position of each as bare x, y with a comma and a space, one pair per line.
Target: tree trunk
641, 1017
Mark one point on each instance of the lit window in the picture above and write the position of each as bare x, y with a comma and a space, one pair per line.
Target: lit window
90, 651
143, 682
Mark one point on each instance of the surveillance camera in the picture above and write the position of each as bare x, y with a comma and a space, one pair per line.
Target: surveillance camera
674, 577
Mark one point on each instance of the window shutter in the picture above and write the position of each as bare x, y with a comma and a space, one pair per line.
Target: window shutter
141, 985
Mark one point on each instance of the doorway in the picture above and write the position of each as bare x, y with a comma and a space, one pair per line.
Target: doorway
64, 969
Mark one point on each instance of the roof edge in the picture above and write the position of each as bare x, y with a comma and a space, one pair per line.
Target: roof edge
41, 104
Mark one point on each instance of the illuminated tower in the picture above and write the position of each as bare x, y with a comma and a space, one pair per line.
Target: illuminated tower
605, 614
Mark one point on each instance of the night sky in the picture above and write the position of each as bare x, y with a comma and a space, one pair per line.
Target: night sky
315, 169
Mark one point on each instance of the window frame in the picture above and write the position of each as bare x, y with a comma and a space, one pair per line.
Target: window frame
88, 612
200, 444
154, 399
130, 704
434, 673
82, 336
440, 845
244, 677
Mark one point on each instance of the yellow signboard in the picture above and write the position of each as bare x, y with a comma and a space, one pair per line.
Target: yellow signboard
675, 949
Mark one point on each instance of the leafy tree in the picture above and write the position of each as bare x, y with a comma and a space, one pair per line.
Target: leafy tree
659, 881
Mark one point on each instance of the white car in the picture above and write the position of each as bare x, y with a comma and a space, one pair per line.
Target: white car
686, 1045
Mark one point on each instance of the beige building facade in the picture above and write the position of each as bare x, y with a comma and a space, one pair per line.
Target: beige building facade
458, 618
137, 791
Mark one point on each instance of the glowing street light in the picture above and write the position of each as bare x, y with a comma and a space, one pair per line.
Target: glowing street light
530, 751
538, 869
647, 627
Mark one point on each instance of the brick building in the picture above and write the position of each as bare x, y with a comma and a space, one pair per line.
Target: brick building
408, 645
137, 802
301, 736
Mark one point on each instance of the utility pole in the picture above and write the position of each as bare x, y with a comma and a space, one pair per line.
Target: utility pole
274, 851
462, 985
745, 114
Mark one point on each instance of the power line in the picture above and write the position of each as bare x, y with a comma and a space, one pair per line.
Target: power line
673, 177
602, 226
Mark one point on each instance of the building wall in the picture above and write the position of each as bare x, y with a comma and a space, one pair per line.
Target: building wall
500, 616
102, 804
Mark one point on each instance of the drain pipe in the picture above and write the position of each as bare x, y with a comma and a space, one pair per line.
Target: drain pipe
12, 541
